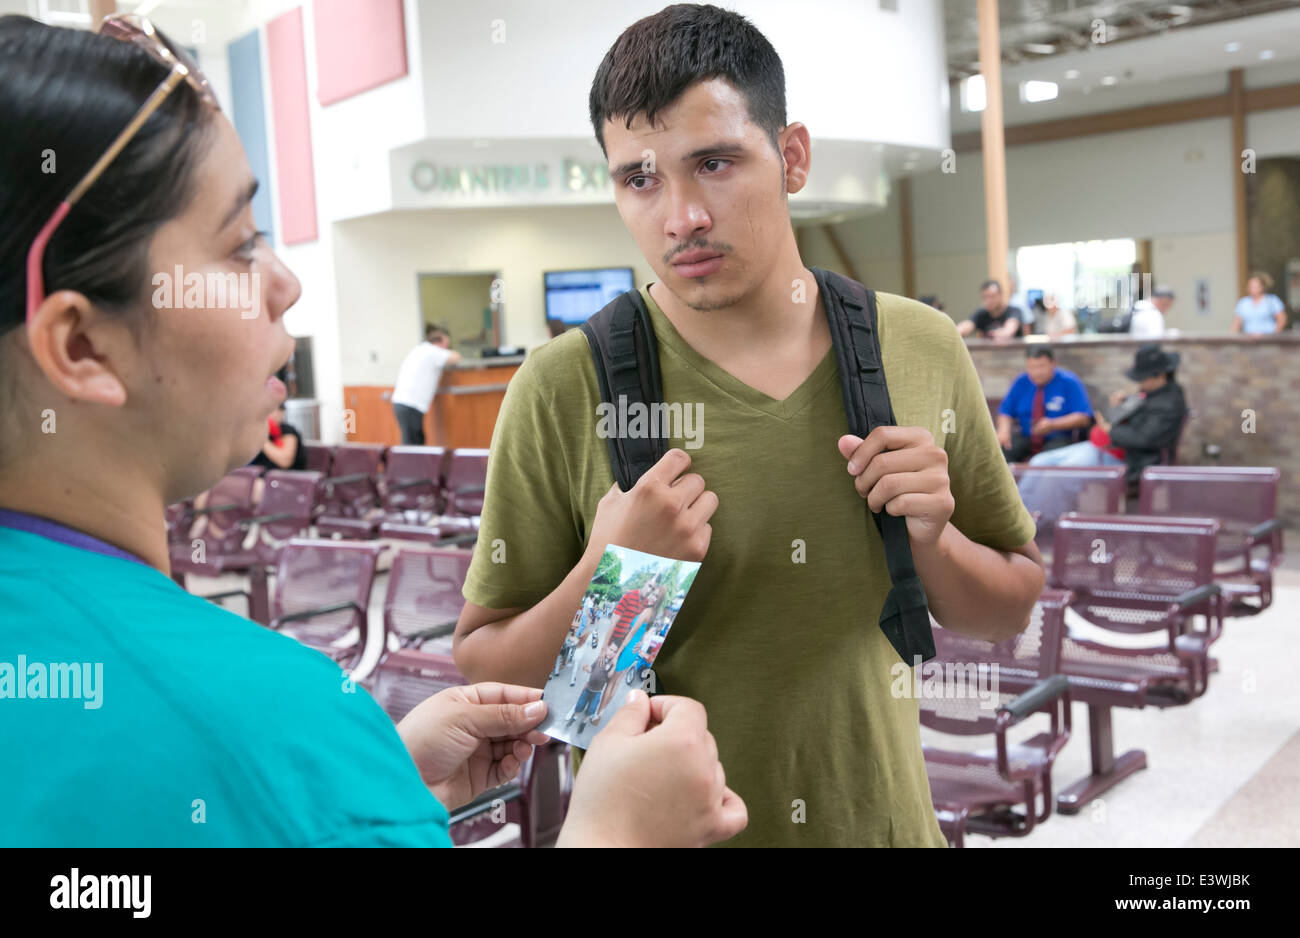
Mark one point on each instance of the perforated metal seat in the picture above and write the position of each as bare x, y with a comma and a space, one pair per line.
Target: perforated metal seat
1134, 574
987, 689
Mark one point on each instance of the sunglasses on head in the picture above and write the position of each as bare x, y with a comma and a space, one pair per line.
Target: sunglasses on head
138, 31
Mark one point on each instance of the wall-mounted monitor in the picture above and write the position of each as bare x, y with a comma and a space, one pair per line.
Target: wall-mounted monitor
573, 295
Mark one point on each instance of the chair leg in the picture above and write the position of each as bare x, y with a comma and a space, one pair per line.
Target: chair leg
1107, 770
259, 597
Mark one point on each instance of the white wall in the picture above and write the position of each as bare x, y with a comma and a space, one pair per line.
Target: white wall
380, 257
535, 83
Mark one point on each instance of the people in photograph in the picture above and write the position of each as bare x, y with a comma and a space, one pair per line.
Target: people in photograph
1259, 312
1043, 408
200, 710
994, 319
703, 90
599, 673
565, 657
417, 382
1142, 428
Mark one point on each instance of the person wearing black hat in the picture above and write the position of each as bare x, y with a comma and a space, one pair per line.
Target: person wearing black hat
1141, 427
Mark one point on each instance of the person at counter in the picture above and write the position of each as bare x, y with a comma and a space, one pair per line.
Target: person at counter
994, 319
417, 381
1259, 313
1148, 320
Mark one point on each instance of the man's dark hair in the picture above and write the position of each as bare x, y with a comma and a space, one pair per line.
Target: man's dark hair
990, 283
433, 331
1040, 351
657, 58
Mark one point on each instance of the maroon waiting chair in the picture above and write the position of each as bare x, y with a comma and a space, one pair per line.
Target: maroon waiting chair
319, 457
214, 543
1051, 491
252, 545
1134, 574
413, 483
350, 494
424, 597
464, 481
1244, 500
322, 595
1007, 790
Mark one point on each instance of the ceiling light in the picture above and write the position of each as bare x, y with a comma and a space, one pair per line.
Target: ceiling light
1266, 54
972, 93
1109, 80
1031, 92
1039, 48
1231, 46
1071, 74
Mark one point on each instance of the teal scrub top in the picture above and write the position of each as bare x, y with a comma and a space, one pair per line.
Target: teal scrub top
135, 714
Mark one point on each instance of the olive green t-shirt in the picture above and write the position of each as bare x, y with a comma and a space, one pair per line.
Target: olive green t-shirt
779, 636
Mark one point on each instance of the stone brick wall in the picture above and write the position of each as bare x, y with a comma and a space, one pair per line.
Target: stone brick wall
1223, 377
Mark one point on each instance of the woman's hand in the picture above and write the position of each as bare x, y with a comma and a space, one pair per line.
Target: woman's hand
466, 740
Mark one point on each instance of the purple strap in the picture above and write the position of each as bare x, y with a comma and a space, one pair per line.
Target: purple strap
33, 524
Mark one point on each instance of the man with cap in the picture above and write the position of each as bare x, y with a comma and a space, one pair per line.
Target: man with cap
1149, 315
1141, 427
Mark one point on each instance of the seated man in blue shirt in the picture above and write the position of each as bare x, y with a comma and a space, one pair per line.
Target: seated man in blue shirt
1047, 404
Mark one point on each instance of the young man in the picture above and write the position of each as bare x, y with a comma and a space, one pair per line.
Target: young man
417, 382
779, 638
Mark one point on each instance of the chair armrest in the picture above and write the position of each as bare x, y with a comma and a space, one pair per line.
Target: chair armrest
266, 519
1194, 597
213, 509
409, 484
434, 631
506, 793
313, 613
339, 480
1267, 527
456, 539
1033, 699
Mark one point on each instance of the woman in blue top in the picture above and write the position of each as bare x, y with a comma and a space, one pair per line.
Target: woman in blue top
1259, 313
132, 713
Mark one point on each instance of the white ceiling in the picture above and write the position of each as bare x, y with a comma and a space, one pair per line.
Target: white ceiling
1185, 63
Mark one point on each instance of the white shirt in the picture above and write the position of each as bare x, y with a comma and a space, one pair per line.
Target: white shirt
1148, 322
417, 379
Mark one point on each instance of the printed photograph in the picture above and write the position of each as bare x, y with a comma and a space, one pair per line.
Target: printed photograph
612, 643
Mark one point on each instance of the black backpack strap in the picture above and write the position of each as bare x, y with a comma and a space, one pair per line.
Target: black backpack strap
851, 313
623, 348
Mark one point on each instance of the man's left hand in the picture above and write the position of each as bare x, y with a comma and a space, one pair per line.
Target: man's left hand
900, 470
1043, 425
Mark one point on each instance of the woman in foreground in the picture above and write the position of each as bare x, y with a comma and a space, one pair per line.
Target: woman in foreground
144, 715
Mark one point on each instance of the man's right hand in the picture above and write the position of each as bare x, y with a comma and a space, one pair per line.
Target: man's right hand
652, 779
667, 512
1004, 438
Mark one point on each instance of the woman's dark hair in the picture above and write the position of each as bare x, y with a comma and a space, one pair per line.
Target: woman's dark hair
657, 58
65, 94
